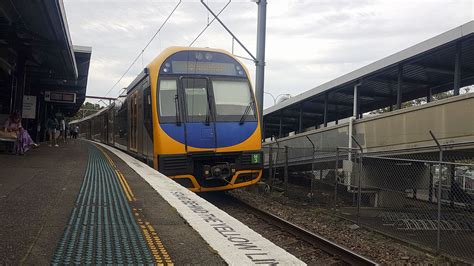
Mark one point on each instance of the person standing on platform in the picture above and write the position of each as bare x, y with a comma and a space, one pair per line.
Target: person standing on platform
75, 132
62, 129
51, 125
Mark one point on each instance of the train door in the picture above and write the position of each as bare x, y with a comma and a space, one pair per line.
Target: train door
110, 123
133, 122
199, 123
105, 131
148, 126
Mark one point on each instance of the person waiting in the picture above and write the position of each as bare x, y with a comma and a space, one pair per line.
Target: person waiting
23, 140
51, 127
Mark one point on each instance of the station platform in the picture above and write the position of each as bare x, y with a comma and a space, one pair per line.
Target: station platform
87, 203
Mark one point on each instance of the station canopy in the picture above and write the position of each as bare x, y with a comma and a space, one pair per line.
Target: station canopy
442, 63
35, 34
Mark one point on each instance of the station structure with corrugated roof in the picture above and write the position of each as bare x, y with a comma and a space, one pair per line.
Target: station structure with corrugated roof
41, 71
440, 64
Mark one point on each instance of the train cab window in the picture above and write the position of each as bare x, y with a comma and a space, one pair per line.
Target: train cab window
168, 98
197, 105
232, 99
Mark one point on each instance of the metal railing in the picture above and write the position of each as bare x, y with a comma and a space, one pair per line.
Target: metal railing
425, 199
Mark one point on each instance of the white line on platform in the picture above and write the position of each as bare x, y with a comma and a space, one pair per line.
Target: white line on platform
235, 242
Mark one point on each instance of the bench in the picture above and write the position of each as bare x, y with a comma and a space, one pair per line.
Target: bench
7, 142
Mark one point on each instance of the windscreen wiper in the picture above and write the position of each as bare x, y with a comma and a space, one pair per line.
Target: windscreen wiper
178, 116
244, 115
208, 111
208, 118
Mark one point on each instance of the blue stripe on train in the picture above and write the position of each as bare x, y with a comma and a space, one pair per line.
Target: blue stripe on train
202, 136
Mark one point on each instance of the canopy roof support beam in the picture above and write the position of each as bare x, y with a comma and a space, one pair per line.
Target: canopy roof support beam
300, 120
325, 119
399, 86
457, 69
356, 101
281, 125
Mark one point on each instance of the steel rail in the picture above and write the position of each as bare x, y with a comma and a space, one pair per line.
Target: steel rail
318, 241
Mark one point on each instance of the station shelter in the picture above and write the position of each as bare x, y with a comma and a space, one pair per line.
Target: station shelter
41, 71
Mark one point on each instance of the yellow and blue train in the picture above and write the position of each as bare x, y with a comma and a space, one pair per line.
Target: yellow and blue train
192, 115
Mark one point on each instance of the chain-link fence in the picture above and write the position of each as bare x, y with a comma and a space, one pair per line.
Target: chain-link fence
416, 198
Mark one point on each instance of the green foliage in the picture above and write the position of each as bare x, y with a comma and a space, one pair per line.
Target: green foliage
87, 109
420, 101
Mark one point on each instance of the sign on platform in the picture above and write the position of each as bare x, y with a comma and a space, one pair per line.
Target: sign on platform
29, 107
59, 97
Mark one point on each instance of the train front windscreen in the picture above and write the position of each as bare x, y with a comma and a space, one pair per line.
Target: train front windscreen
206, 84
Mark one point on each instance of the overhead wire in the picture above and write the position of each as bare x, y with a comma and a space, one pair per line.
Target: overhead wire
209, 23
143, 50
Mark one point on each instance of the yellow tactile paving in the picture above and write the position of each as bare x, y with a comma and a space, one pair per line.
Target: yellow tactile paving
153, 241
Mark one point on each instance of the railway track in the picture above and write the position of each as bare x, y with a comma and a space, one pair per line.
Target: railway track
305, 245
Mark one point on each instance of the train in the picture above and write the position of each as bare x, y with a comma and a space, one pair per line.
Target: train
192, 115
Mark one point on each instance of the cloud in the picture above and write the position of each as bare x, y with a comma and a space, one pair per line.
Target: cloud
308, 42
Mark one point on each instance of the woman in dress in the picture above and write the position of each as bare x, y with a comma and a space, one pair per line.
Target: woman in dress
23, 139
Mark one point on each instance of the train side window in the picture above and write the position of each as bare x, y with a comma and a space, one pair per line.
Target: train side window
167, 99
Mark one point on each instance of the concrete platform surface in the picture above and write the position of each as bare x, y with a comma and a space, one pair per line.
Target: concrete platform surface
38, 193
235, 242
85, 199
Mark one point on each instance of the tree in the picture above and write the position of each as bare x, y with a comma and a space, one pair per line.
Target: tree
87, 109
420, 101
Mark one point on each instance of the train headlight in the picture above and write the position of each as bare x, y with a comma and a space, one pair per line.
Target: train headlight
167, 64
241, 72
165, 70
217, 172
199, 56
206, 170
208, 56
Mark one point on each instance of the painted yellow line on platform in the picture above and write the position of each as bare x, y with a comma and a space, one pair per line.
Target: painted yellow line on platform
127, 187
153, 241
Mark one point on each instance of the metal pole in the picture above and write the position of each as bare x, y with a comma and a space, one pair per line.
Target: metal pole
359, 192
457, 69
280, 128
312, 167
452, 170
399, 86
438, 234
359, 189
270, 167
325, 117
260, 62
335, 178
229, 31
285, 171
351, 121
300, 119
430, 191
259, 59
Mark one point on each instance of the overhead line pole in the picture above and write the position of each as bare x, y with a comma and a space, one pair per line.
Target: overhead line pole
228, 30
259, 59
260, 63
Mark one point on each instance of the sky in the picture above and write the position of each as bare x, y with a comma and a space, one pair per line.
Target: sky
308, 43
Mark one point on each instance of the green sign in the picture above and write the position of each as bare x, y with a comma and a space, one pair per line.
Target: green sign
256, 158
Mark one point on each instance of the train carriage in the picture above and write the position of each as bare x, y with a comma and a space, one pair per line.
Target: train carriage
191, 114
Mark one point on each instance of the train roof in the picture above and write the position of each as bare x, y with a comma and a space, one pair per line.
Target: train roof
92, 115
